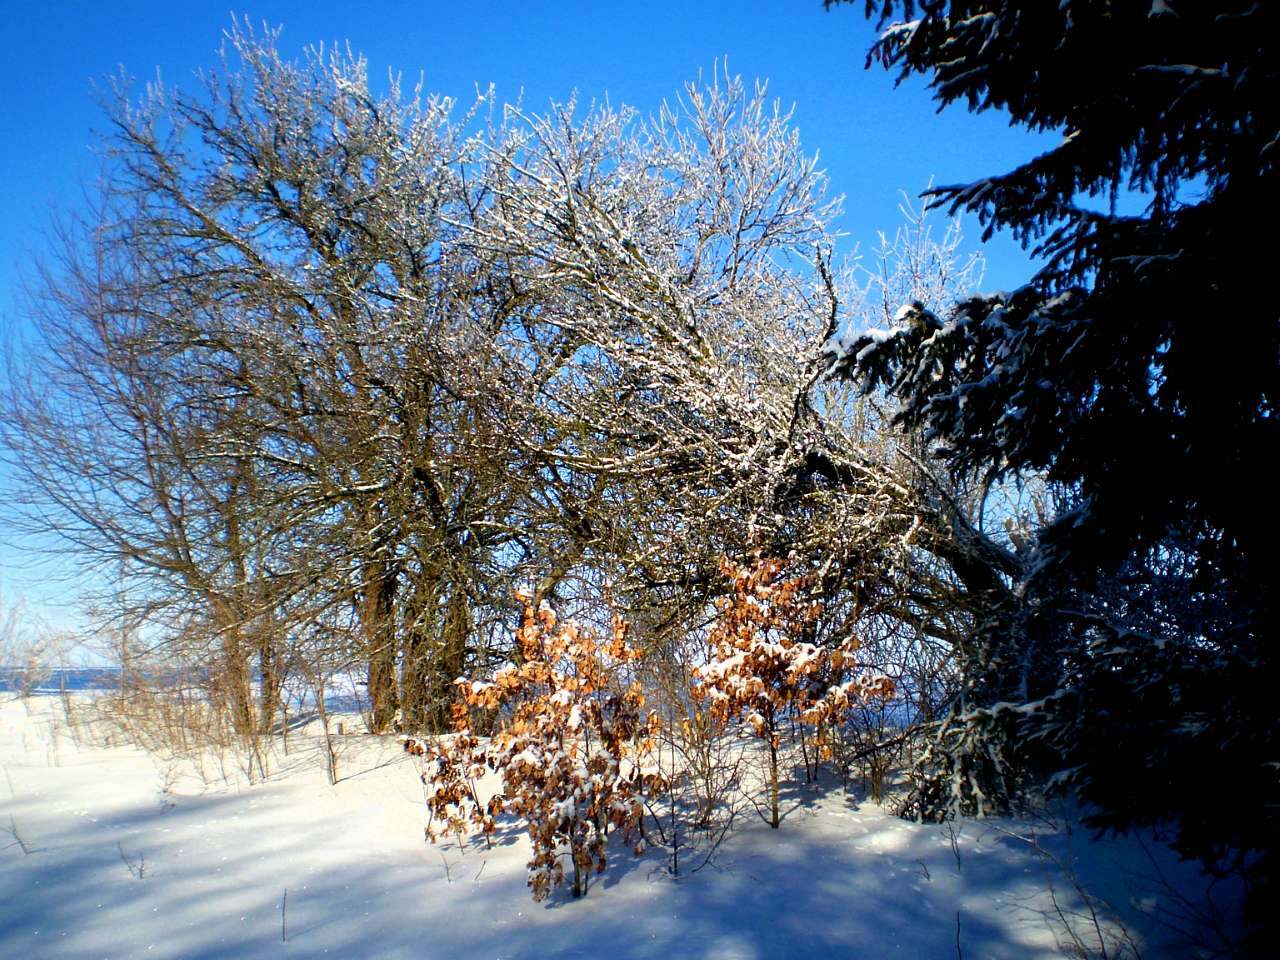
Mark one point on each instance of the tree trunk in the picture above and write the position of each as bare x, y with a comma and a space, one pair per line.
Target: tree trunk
455, 636
272, 678
435, 655
235, 681
377, 610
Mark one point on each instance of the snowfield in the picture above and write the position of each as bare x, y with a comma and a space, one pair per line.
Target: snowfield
109, 852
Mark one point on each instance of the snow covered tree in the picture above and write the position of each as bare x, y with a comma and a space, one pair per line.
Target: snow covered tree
573, 750
1137, 369
343, 368
1100, 370
762, 667
683, 286
267, 399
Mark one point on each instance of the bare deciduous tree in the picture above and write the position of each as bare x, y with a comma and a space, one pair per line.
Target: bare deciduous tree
327, 371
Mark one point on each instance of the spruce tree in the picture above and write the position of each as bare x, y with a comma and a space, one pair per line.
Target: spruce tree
1137, 370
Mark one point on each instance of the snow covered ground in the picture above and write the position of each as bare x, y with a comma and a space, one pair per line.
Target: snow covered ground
109, 852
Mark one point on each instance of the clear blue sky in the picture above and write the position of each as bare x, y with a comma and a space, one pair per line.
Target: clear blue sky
874, 140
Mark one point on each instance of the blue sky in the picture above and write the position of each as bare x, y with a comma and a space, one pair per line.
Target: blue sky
874, 140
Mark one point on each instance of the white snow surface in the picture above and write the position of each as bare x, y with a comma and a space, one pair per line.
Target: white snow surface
842, 877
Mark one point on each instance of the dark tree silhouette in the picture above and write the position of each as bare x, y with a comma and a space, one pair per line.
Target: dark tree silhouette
1137, 370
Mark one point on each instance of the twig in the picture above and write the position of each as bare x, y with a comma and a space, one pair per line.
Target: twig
284, 913
1199, 927
760, 810
1101, 926
959, 952
476, 878
877, 747
955, 846
715, 840
137, 870
18, 840
448, 874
